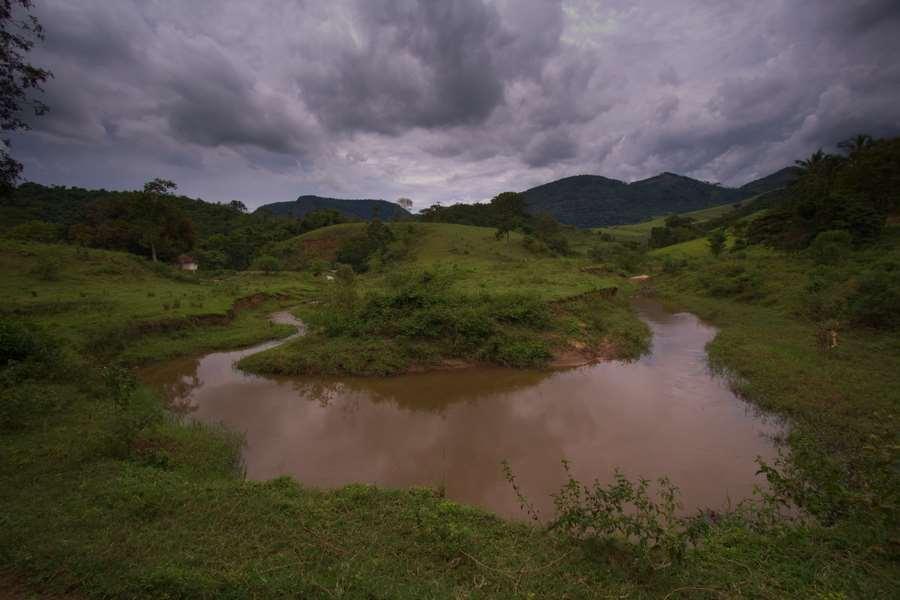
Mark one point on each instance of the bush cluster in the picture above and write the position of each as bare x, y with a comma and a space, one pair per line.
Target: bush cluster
620, 256
28, 359
421, 306
870, 297
733, 279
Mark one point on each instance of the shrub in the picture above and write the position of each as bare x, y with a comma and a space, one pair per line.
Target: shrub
535, 246
732, 279
830, 247
673, 265
716, 240
620, 256
20, 342
21, 401
36, 231
876, 302
518, 308
267, 264
622, 512
317, 266
739, 244
516, 351
356, 252
421, 306
29, 359
46, 269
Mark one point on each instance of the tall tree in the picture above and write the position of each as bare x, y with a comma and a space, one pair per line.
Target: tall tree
509, 208
161, 223
406, 203
237, 206
811, 164
856, 144
19, 31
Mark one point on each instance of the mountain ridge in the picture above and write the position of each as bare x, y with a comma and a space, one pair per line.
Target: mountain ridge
598, 201
363, 208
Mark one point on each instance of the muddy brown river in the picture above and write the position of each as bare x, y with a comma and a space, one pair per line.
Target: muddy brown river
665, 414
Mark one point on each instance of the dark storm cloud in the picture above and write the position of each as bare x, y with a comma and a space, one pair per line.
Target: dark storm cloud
426, 64
451, 100
549, 148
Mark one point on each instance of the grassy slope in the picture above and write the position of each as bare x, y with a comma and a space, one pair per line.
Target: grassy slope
640, 232
106, 302
481, 261
164, 514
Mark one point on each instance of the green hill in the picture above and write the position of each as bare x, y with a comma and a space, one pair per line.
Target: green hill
595, 201
776, 180
365, 209
475, 256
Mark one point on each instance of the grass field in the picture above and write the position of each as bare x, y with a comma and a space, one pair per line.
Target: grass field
103, 494
102, 302
640, 232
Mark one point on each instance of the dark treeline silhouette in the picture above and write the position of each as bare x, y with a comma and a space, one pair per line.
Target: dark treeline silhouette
854, 191
151, 221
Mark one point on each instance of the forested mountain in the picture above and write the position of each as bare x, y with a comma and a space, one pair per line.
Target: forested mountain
359, 209
594, 201
776, 180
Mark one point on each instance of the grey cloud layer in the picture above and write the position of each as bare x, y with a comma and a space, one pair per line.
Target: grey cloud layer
451, 100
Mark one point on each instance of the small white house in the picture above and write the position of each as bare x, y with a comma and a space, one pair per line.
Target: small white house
187, 263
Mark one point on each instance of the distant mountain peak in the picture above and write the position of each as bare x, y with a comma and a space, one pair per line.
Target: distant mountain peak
365, 209
596, 201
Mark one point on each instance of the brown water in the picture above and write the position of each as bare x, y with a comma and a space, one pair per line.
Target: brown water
665, 414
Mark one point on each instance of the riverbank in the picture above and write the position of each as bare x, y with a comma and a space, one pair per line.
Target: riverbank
838, 383
138, 505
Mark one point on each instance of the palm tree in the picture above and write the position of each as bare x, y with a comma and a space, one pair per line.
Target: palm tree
812, 164
856, 143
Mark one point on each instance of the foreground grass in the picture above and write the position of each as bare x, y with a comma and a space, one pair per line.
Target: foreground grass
102, 494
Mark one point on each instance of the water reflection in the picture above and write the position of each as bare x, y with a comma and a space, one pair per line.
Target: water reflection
665, 414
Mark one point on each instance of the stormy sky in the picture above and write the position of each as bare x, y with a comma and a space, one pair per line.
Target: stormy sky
450, 100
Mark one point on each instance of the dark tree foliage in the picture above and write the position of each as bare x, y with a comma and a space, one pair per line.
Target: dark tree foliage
19, 31
321, 218
549, 231
225, 237
358, 251
716, 240
479, 214
148, 223
677, 229
854, 192
506, 212
509, 209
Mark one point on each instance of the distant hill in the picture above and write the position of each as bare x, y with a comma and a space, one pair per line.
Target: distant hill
359, 209
595, 201
776, 180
